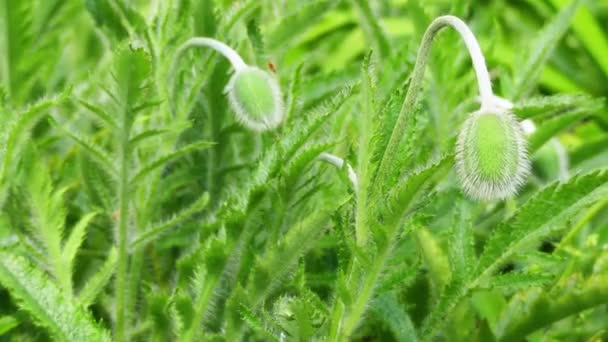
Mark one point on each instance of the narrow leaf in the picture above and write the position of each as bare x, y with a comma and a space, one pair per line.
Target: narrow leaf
98, 282
40, 297
164, 159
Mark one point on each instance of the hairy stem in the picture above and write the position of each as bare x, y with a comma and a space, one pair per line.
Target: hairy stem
121, 235
225, 50
483, 80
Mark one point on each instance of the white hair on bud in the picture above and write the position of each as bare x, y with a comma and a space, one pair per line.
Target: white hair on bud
482, 188
269, 121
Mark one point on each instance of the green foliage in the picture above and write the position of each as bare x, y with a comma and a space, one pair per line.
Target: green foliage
38, 295
134, 206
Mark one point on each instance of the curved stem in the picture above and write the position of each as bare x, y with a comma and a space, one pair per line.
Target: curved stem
225, 50
483, 80
339, 163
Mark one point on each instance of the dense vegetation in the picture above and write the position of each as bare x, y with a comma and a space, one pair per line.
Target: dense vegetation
138, 204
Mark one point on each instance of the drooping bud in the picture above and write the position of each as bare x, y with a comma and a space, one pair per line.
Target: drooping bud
254, 95
491, 155
255, 98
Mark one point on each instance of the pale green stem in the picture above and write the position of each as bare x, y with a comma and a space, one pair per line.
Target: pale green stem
225, 50
339, 163
122, 236
483, 80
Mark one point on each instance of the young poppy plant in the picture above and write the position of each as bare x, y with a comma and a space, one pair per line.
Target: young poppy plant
254, 95
491, 156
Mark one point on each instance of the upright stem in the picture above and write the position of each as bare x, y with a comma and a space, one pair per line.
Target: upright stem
122, 236
479, 64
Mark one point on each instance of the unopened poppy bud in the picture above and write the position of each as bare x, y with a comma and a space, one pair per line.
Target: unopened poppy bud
254, 94
491, 155
255, 98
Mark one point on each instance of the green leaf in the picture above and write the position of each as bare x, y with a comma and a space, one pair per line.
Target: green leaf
160, 161
531, 63
74, 241
434, 257
548, 129
7, 323
131, 69
402, 196
279, 260
157, 230
97, 153
17, 132
106, 16
544, 308
372, 28
147, 134
99, 112
295, 24
258, 324
543, 214
519, 280
40, 297
386, 308
462, 245
98, 282
548, 106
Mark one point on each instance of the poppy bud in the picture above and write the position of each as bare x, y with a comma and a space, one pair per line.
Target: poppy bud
491, 155
255, 97
254, 94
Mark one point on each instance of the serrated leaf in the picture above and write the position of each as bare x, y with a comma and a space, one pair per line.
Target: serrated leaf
403, 194
258, 325
519, 280
99, 112
74, 241
157, 230
97, 153
98, 282
462, 246
41, 298
386, 308
543, 214
160, 161
16, 132
547, 106
545, 309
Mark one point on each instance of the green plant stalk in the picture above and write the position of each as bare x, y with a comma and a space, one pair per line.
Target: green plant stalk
415, 86
351, 321
122, 236
367, 111
5, 67
200, 305
202, 301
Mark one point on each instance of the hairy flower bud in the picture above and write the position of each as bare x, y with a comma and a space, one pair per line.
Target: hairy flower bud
255, 97
254, 94
491, 155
